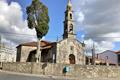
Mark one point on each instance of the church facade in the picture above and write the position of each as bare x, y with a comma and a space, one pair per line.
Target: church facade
67, 51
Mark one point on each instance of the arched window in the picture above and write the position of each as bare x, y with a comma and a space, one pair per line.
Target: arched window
70, 16
72, 58
71, 28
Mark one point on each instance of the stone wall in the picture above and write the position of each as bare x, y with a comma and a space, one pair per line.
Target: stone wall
57, 69
67, 47
23, 53
17, 67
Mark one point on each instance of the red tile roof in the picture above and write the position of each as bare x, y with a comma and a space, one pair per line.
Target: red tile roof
117, 52
34, 44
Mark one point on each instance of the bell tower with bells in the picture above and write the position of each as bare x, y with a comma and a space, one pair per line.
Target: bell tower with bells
69, 23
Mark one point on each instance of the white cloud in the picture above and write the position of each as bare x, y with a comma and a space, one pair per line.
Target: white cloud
11, 21
80, 15
99, 47
101, 22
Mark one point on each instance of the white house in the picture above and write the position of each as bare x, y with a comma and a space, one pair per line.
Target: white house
109, 57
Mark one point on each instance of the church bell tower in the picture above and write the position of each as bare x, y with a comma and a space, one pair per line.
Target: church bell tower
69, 23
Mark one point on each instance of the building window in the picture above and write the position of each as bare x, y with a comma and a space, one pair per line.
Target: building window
71, 28
70, 16
71, 48
106, 57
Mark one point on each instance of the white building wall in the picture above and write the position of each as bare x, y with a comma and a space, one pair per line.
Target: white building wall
7, 54
108, 57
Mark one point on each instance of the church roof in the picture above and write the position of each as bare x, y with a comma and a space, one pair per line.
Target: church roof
34, 44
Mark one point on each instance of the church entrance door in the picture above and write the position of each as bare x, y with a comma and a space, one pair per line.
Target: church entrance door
72, 59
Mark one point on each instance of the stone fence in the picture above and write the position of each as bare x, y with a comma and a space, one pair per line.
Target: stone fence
58, 69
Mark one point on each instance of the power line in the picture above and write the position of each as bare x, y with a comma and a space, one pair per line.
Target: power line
17, 34
9, 33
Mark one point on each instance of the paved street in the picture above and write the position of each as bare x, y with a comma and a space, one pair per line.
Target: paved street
18, 76
8, 76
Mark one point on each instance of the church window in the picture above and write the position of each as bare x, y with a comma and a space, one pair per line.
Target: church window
70, 16
71, 28
71, 48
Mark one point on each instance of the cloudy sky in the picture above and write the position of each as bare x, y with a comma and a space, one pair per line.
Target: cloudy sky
95, 21
13, 28
99, 21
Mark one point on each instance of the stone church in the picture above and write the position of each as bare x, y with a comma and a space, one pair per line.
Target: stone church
67, 51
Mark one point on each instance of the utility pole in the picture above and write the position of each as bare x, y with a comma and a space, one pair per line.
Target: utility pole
0, 39
93, 54
0, 44
0, 52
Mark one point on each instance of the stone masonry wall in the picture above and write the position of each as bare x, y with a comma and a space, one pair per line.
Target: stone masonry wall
64, 50
25, 51
57, 69
17, 67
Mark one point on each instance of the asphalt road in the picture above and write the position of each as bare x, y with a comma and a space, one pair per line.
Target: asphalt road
8, 76
18, 76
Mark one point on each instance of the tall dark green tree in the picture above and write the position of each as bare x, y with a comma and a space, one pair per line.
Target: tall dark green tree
38, 18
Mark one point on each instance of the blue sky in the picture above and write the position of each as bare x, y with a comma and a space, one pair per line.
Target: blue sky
117, 46
93, 18
56, 14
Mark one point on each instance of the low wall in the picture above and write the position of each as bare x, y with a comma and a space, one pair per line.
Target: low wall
17, 67
57, 69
